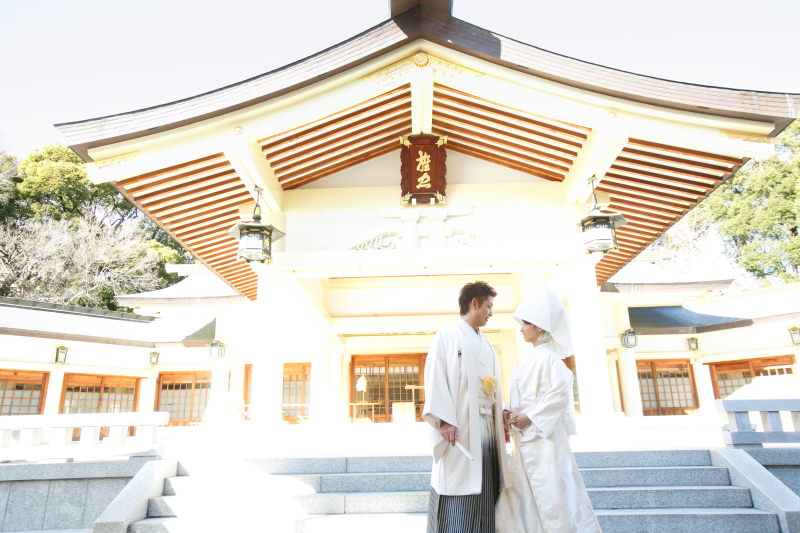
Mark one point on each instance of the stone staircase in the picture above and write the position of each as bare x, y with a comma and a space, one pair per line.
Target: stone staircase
652, 491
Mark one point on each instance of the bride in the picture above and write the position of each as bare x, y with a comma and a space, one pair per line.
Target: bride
548, 494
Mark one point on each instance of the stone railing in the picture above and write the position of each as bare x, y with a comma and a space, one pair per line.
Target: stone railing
740, 432
22, 437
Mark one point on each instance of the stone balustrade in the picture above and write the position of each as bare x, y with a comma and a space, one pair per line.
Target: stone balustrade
35, 437
740, 432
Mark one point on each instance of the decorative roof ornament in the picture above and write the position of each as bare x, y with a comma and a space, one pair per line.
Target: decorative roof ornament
396, 71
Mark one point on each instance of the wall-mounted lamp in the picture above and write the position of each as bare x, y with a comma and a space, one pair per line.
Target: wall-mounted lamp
216, 350
61, 355
153, 358
795, 333
628, 338
693, 344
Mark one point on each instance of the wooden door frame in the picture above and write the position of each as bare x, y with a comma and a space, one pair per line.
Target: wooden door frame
692, 381
420, 357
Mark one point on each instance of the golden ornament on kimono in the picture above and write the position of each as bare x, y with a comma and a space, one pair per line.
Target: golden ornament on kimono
490, 386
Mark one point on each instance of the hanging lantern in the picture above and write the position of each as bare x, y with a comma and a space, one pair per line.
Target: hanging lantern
693, 344
216, 350
255, 238
628, 338
153, 358
599, 229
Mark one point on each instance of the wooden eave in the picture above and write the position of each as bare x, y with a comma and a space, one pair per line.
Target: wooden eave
422, 22
197, 202
539, 146
653, 186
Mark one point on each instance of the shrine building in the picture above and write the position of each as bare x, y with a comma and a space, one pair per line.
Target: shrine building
393, 168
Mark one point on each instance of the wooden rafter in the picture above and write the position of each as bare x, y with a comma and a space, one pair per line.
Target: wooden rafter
653, 185
339, 141
197, 202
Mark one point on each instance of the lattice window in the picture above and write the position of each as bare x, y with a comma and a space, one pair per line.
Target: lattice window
647, 390
91, 393
675, 389
118, 399
185, 396
399, 377
22, 392
81, 399
781, 371
20, 398
296, 391
730, 382
666, 387
376, 389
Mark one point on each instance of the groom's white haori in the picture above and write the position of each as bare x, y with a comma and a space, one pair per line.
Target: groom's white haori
458, 360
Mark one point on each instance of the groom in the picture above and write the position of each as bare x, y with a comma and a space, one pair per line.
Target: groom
461, 379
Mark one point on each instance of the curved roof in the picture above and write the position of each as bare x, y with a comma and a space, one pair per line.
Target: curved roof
422, 22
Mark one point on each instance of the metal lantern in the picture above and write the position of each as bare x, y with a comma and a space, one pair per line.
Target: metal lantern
628, 338
153, 358
255, 239
216, 350
693, 344
795, 333
61, 355
599, 229
599, 233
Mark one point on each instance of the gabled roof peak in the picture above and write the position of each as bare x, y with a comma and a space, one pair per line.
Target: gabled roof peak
397, 7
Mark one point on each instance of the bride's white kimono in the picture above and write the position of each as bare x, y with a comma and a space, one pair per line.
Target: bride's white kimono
452, 380
548, 494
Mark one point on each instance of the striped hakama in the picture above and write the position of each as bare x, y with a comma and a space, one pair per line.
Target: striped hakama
472, 513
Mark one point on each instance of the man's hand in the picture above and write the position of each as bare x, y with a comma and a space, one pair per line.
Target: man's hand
449, 433
506, 427
520, 421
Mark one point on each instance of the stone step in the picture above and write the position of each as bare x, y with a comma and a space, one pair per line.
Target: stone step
367, 482
164, 506
655, 476
423, 463
611, 521
383, 522
344, 465
364, 502
669, 497
160, 525
686, 520
643, 458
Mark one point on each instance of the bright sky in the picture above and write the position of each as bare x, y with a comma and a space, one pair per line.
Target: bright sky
65, 61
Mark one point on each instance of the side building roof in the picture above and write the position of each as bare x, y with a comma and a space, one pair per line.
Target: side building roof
422, 22
28, 318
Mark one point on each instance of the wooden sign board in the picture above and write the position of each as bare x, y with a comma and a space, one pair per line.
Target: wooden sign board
423, 168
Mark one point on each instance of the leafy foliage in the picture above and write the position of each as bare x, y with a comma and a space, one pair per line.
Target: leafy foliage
67, 240
55, 186
78, 262
757, 213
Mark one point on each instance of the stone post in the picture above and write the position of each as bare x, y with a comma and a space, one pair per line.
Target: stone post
629, 378
588, 340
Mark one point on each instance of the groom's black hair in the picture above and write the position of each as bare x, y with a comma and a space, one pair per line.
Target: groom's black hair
480, 290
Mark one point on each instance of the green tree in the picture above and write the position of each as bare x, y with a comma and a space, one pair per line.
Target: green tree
48, 199
55, 186
8, 185
757, 213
